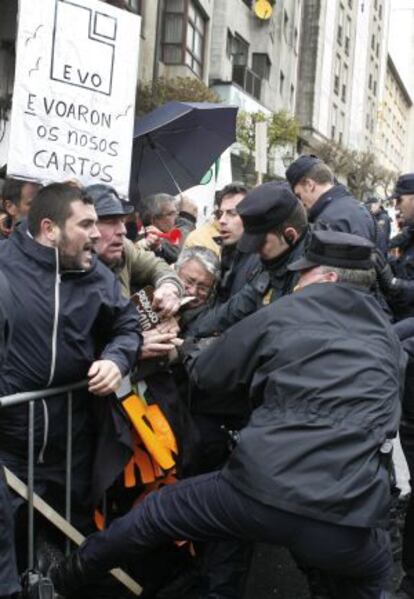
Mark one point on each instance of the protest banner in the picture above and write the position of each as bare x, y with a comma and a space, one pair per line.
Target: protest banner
74, 92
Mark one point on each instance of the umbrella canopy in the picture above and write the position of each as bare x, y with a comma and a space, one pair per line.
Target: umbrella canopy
176, 144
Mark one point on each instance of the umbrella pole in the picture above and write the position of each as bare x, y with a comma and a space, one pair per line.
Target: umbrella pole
164, 164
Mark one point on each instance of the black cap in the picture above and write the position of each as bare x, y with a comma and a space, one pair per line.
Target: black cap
261, 210
372, 200
299, 167
404, 186
107, 202
331, 248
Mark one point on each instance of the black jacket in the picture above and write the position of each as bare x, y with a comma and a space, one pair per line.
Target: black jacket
236, 270
324, 365
336, 209
63, 323
383, 224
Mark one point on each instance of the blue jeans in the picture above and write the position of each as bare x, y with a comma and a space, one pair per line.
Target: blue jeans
357, 561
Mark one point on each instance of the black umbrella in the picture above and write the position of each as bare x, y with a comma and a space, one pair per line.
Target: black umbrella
176, 144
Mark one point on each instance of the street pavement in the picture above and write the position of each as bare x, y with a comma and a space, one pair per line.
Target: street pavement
275, 575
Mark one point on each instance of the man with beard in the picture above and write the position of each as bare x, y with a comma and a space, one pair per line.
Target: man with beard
72, 323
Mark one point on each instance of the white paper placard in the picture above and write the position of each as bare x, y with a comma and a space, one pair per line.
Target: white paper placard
74, 92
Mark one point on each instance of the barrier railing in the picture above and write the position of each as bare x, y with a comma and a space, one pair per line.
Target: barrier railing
27, 491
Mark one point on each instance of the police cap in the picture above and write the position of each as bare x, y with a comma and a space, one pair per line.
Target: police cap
404, 186
332, 248
263, 209
107, 202
299, 167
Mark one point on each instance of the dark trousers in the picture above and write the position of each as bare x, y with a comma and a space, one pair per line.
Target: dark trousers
357, 560
9, 581
407, 442
224, 564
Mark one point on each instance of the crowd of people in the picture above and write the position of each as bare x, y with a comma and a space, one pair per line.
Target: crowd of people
279, 354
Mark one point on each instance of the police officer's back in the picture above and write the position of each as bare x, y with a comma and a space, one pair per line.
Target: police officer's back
329, 205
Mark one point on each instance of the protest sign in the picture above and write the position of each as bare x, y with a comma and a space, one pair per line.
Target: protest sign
74, 92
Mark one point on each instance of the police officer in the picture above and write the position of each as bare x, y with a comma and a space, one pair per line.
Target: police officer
310, 470
382, 220
402, 291
329, 205
276, 227
397, 277
9, 580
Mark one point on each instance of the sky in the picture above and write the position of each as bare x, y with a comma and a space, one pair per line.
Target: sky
401, 40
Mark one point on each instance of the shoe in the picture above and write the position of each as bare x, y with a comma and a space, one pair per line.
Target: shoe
401, 594
406, 590
68, 575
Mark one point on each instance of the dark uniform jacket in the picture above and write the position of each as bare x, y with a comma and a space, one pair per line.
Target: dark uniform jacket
383, 224
325, 366
269, 282
63, 323
402, 300
236, 269
337, 210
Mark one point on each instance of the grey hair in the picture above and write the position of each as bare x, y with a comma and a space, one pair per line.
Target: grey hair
354, 276
207, 258
151, 206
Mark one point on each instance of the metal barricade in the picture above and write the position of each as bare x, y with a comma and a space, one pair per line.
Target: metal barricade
27, 491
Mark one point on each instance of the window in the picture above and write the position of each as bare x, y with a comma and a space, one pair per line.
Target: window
334, 121
348, 28
240, 51
183, 34
337, 74
370, 81
261, 65
292, 95
341, 127
344, 84
380, 11
281, 82
196, 26
373, 41
285, 26
341, 21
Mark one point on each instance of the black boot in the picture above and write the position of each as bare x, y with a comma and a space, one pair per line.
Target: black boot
406, 590
69, 575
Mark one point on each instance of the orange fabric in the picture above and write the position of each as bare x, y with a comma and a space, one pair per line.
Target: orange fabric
153, 430
99, 520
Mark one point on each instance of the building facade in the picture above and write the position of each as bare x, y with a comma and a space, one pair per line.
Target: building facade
393, 121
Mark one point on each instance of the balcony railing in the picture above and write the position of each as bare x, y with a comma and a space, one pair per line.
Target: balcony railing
248, 80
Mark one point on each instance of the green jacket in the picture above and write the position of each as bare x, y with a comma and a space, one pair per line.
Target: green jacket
141, 267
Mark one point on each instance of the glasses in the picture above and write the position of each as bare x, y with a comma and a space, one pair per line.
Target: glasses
199, 288
219, 213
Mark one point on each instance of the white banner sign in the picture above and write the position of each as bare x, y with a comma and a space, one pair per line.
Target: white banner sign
74, 92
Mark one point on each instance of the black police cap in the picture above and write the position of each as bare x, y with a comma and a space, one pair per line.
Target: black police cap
299, 167
404, 186
332, 248
107, 202
261, 210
